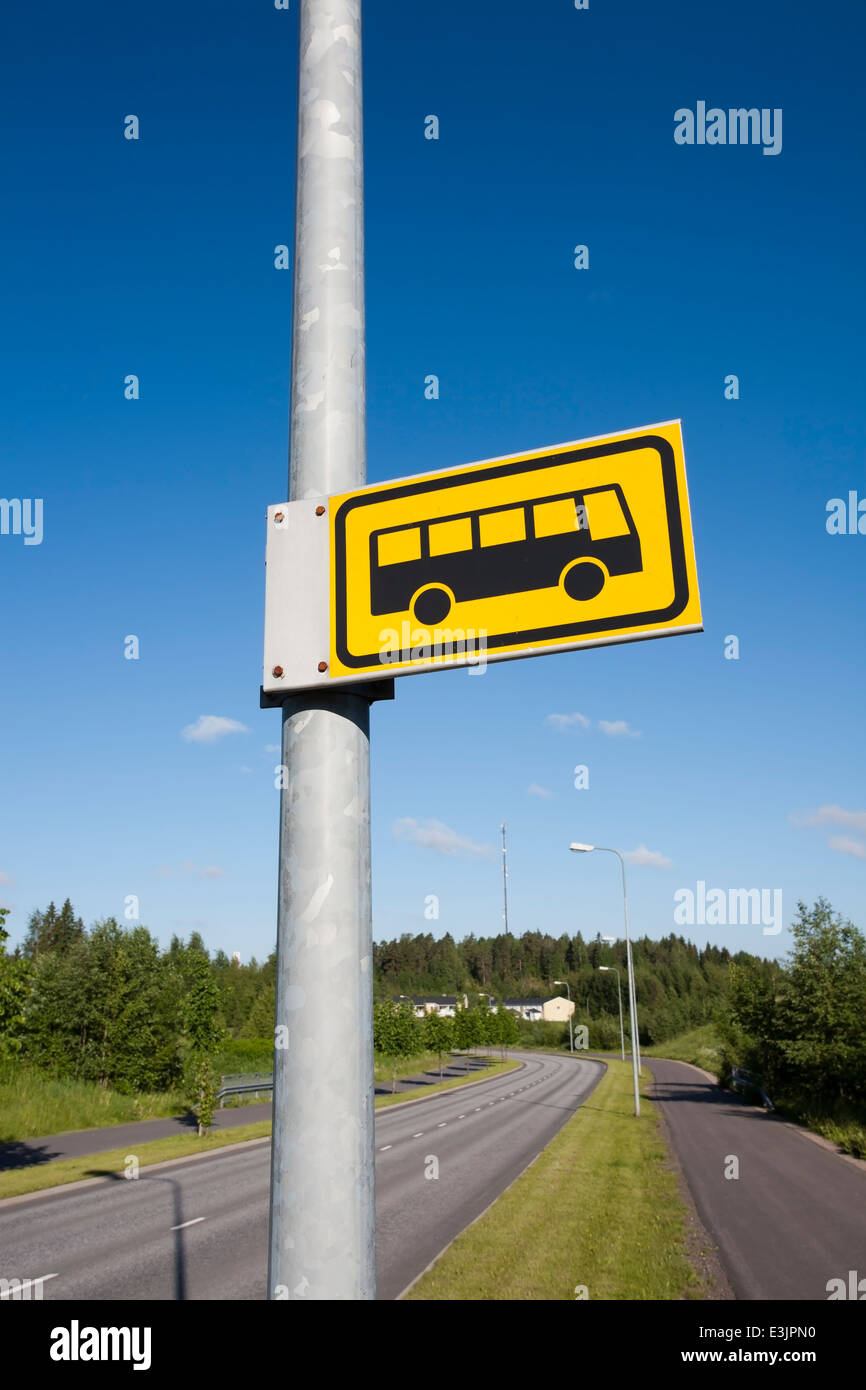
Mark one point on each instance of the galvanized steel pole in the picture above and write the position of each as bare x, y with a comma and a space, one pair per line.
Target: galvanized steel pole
322, 1226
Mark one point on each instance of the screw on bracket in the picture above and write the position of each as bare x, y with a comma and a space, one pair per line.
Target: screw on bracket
320, 511
323, 666
277, 671
278, 517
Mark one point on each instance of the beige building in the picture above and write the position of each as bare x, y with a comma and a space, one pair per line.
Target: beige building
558, 1010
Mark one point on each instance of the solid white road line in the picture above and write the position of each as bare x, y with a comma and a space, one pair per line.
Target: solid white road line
183, 1225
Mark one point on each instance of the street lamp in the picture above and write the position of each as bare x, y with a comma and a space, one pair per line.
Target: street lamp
619, 992
570, 1028
632, 1002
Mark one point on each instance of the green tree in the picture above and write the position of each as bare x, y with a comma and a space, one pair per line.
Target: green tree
396, 1032
438, 1033
52, 931
16, 983
203, 1091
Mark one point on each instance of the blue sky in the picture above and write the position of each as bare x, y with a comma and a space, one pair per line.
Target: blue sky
155, 257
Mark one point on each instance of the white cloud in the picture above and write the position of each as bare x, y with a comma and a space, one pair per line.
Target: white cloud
834, 815
209, 727
617, 728
843, 844
273, 748
435, 835
568, 721
187, 868
535, 790
649, 857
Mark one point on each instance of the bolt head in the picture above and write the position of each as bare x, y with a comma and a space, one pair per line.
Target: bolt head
320, 511
277, 671
323, 666
278, 517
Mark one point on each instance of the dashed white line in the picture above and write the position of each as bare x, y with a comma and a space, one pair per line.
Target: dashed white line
184, 1224
385, 1147
419, 1135
461, 1117
442, 1124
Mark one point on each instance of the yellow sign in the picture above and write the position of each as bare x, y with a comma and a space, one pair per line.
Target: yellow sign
571, 546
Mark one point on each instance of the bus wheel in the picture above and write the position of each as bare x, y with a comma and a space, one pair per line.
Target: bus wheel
584, 580
432, 606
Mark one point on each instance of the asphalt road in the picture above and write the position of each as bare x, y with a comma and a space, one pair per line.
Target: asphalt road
80, 1143
199, 1230
793, 1219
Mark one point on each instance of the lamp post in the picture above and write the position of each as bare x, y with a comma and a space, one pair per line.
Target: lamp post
632, 1002
570, 1027
619, 992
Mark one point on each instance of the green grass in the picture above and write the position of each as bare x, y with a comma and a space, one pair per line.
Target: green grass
32, 1104
599, 1208
494, 1069
67, 1170
700, 1046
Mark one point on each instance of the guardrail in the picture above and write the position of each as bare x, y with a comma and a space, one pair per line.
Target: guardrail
244, 1083
744, 1083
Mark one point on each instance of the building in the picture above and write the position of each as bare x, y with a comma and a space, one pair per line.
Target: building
443, 1004
555, 1010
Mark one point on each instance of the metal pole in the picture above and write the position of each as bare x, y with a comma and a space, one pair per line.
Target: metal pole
632, 1001
322, 1224
504, 880
636, 1046
621, 1032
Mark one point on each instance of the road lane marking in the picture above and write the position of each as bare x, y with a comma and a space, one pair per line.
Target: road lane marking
461, 1117
385, 1147
184, 1224
25, 1285
442, 1124
419, 1135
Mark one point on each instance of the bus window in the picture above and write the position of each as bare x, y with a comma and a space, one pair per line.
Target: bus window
496, 528
446, 537
555, 518
397, 546
605, 515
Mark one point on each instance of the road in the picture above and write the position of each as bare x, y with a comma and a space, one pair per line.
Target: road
793, 1219
198, 1230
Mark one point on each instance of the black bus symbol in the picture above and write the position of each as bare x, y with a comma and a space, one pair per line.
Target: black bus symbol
577, 539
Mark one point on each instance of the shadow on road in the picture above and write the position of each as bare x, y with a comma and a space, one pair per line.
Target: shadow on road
23, 1155
177, 1202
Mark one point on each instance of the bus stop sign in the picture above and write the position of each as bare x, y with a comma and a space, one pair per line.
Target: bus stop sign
571, 546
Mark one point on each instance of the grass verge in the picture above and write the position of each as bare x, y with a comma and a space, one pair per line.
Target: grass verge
32, 1103
701, 1046
620, 1225
495, 1069
66, 1170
